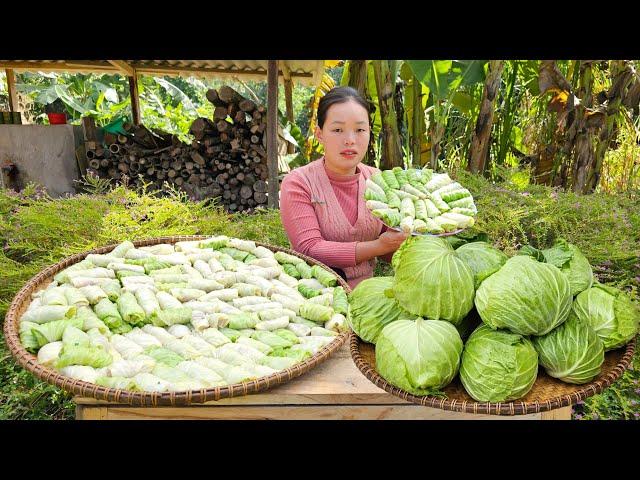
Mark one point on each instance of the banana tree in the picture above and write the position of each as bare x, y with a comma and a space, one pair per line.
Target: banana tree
443, 79
359, 75
416, 96
385, 75
482, 132
586, 121
312, 147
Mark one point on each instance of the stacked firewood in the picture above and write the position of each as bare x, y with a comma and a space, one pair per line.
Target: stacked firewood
226, 159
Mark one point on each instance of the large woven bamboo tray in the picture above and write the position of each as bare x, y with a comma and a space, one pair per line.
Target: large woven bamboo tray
547, 393
27, 360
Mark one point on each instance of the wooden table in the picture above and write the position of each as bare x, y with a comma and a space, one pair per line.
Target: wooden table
333, 390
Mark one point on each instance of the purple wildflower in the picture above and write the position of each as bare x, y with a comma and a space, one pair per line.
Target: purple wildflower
637, 390
578, 417
636, 415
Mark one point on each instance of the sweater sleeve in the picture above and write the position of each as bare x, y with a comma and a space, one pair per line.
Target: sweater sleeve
301, 224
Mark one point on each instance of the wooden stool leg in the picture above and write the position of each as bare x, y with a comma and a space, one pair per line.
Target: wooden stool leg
563, 413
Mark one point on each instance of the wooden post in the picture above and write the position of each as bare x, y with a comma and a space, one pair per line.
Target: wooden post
272, 132
288, 94
135, 100
11, 89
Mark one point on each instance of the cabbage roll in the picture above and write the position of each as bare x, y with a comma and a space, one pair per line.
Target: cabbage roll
77, 355
53, 331
54, 296
299, 330
207, 285
93, 293
183, 349
48, 313
148, 382
187, 294
226, 295
164, 355
62, 277
246, 290
126, 347
131, 368
250, 300
317, 313
263, 347
201, 373
160, 333
130, 311
142, 338
179, 331
147, 300
338, 322
49, 354
214, 337
171, 316
271, 339
81, 372
108, 313
278, 363
120, 383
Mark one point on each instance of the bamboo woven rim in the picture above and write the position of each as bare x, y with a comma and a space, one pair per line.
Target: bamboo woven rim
515, 407
22, 299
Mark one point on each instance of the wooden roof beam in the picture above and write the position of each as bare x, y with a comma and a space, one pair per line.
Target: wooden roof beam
123, 66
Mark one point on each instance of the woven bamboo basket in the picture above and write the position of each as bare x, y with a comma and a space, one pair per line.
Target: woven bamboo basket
27, 360
547, 393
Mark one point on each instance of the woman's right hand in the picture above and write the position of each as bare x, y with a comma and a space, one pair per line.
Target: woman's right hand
391, 240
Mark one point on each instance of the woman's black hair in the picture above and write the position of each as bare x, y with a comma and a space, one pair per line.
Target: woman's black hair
339, 95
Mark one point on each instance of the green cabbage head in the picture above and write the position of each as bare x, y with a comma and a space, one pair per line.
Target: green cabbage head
610, 312
497, 365
370, 309
572, 352
525, 296
483, 259
570, 260
431, 281
419, 356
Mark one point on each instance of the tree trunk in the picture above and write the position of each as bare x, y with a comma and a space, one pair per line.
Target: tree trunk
622, 79
578, 137
482, 132
417, 126
358, 80
385, 84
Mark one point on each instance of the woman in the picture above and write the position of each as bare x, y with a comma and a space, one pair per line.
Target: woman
322, 204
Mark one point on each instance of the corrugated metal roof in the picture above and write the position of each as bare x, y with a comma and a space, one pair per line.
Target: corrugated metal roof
305, 72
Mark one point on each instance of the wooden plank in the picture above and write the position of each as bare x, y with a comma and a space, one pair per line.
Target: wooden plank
563, 413
106, 67
334, 389
272, 132
11, 89
79, 65
135, 99
290, 412
123, 66
288, 98
91, 413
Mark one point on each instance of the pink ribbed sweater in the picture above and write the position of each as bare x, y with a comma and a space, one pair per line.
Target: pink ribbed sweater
301, 222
